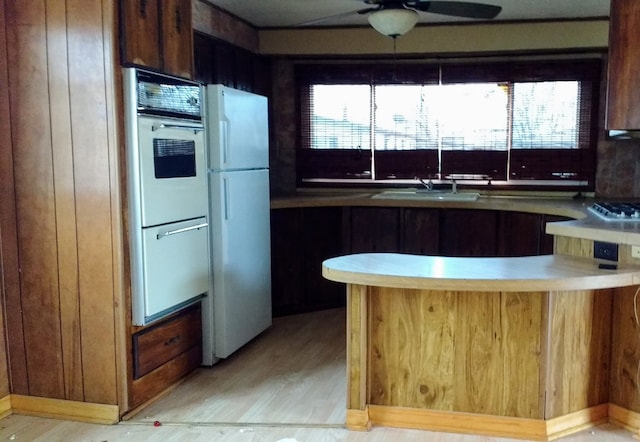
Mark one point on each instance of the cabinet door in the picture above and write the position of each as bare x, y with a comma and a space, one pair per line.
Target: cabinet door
322, 233
468, 232
546, 240
287, 269
623, 93
177, 37
374, 229
421, 231
140, 33
519, 234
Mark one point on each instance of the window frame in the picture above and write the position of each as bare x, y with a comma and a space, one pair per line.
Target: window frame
327, 167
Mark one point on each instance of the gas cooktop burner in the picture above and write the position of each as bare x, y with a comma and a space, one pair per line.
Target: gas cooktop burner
616, 211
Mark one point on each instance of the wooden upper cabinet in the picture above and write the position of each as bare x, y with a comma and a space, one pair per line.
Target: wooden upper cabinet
140, 33
157, 34
623, 84
177, 37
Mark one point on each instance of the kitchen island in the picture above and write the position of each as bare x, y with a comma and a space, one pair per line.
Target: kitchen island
509, 347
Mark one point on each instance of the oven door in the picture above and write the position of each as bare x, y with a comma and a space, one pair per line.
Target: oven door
172, 170
174, 271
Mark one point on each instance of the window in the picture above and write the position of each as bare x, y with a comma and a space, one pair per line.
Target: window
511, 124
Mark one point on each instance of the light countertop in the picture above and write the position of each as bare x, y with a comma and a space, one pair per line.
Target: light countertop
512, 274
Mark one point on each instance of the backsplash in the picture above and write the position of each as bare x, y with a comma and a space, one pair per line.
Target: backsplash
618, 173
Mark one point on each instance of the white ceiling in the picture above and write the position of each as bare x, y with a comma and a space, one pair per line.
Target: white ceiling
291, 13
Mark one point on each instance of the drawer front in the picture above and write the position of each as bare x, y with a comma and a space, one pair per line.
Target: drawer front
157, 345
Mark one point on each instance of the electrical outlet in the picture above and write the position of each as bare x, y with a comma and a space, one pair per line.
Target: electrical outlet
605, 250
635, 251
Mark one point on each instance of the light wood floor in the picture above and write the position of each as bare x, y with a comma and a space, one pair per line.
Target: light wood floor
288, 385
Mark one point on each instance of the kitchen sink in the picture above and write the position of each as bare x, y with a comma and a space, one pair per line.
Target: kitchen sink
431, 195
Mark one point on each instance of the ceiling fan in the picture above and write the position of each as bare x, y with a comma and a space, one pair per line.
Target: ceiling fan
396, 17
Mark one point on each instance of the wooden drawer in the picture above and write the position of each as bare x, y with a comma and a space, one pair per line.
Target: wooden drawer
159, 344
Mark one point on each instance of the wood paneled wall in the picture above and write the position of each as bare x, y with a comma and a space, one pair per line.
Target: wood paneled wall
61, 219
7, 215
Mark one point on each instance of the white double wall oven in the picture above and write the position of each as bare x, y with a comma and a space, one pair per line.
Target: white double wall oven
167, 192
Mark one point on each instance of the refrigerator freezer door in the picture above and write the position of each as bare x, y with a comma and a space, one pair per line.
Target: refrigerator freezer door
238, 129
241, 258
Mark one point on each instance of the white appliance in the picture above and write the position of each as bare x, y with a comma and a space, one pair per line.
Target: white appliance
239, 307
167, 194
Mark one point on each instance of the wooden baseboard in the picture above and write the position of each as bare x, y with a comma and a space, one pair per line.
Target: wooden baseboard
5, 406
469, 423
67, 410
358, 420
627, 419
580, 420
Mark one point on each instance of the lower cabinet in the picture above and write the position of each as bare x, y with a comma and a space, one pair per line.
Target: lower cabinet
373, 229
420, 231
165, 352
465, 232
301, 238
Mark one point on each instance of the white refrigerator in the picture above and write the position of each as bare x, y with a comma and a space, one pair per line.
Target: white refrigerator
238, 306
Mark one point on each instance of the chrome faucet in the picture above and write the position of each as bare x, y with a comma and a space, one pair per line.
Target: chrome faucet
427, 184
454, 186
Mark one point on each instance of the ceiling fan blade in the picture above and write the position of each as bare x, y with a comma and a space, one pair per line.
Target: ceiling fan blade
457, 9
367, 10
327, 18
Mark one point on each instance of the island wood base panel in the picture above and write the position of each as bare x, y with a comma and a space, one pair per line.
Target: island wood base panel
469, 423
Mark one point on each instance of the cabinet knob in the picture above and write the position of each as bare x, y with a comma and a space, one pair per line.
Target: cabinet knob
172, 340
178, 20
143, 8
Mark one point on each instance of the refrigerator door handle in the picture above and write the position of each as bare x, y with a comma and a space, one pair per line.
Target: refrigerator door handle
224, 133
225, 189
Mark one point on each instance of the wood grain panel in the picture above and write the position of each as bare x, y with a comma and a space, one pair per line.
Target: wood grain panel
521, 325
625, 351
35, 200
66, 232
456, 351
578, 365
8, 243
375, 229
140, 26
67, 216
412, 348
159, 344
623, 94
177, 37
91, 148
564, 245
357, 347
163, 377
479, 354
420, 231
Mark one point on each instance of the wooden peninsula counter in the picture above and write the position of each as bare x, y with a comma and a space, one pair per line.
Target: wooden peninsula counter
509, 347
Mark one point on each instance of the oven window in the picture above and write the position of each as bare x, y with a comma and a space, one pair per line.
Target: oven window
174, 158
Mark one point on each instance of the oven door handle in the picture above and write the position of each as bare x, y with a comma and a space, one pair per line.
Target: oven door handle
195, 129
182, 230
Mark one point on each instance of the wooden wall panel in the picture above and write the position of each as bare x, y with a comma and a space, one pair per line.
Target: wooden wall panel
466, 353
90, 121
8, 243
66, 327
63, 159
39, 302
625, 351
580, 331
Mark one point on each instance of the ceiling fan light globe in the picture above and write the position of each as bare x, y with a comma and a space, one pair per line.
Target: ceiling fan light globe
393, 22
